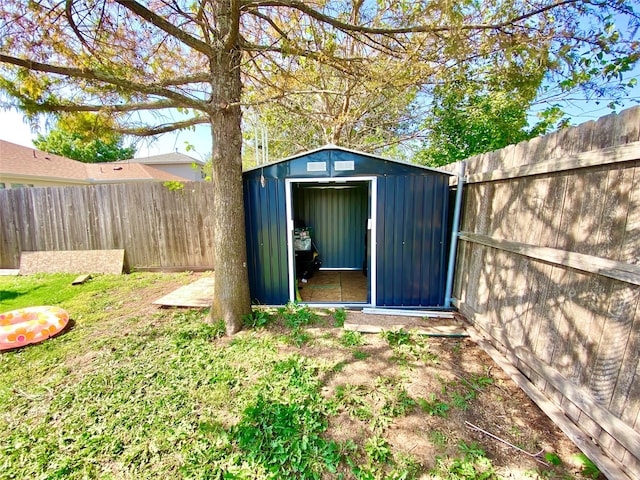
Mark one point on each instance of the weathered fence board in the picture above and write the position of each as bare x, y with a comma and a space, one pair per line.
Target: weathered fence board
625, 272
157, 227
605, 156
549, 269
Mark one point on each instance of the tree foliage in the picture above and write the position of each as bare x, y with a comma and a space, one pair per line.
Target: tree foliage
565, 46
355, 90
85, 137
475, 112
483, 106
358, 66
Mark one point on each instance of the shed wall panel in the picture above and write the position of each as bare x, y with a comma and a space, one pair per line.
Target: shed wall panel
412, 238
266, 240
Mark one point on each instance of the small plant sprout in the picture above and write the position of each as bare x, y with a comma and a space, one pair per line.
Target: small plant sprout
433, 406
552, 458
295, 315
339, 316
378, 449
351, 339
360, 355
398, 337
257, 319
588, 468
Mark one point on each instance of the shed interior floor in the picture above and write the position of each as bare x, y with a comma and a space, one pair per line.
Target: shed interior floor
335, 286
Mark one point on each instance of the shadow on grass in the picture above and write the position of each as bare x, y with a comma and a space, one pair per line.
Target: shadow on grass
8, 295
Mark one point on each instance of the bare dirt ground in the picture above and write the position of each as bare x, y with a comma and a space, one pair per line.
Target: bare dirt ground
451, 383
443, 372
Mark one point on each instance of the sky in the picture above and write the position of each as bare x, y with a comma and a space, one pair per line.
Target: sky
13, 128
197, 143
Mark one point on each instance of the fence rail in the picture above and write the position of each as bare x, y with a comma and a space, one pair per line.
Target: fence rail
157, 227
547, 270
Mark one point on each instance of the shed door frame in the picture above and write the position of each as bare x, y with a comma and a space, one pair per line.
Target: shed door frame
372, 224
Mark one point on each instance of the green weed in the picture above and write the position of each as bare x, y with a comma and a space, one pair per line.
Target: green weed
257, 319
433, 406
438, 439
480, 382
355, 399
588, 468
474, 465
471, 451
339, 317
378, 405
285, 438
398, 337
397, 401
552, 458
360, 355
429, 357
298, 337
295, 315
408, 347
351, 339
462, 401
378, 449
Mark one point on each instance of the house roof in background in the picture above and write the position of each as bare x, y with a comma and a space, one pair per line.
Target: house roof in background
164, 159
31, 162
25, 162
115, 172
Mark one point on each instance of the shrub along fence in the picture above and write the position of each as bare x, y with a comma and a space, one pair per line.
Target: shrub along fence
157, 227
547, 270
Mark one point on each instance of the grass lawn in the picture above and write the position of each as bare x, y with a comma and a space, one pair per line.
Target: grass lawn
132, 391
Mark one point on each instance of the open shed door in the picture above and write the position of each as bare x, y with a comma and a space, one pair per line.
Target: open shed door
331, 256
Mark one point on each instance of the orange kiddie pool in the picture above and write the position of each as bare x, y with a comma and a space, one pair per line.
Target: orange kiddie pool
30, 325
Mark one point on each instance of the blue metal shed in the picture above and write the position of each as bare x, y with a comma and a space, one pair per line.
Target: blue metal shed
378, 222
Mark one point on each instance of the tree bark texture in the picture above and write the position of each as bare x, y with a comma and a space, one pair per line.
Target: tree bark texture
232, 299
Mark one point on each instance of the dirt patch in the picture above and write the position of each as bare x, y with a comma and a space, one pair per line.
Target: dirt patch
449, 385
138, 303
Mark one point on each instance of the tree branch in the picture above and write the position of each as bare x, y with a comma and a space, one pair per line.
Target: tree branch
270, 21
334, 62
234, 33
98, 76
187, 79
167, 26
348, 27
168, 127
118, 108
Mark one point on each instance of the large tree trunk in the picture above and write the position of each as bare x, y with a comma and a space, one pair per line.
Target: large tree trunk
231, 293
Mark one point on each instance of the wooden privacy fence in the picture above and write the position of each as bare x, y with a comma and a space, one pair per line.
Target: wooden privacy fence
157, 227
547, 270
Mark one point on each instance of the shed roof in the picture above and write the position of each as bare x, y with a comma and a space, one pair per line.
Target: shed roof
347, 150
